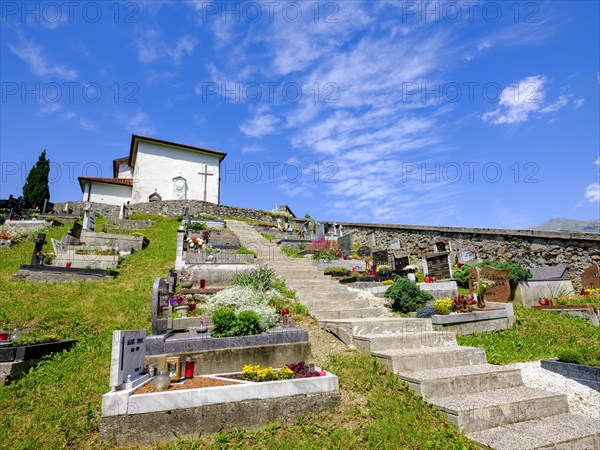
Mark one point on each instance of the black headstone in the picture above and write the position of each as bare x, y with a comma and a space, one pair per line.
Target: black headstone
400, 264
345, 243
438, 265
160, 297
380, 257
364, 251
40, 240
75, 230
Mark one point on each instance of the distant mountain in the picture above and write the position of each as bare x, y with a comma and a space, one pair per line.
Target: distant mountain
582, 226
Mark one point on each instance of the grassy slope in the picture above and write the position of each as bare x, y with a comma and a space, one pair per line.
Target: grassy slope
538, 335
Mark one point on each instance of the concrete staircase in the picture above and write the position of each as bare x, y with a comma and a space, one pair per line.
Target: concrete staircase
489, 403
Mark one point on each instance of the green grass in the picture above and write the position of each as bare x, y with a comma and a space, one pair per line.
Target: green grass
267, 236
539, 335
292, 252
245, 251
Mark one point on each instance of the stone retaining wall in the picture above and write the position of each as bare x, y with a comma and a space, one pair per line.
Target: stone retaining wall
172, 208
528, 247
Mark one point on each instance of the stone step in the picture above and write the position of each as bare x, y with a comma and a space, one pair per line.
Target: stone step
563, 431
337, 304
450, 381
376, 342
347, 329
500, 407
346, 313
426, 358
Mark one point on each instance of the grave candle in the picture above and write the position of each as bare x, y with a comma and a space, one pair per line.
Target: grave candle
189, 368
202, 284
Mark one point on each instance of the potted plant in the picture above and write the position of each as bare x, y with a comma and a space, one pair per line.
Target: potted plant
186, 279
482, 286
383, 270
180, 305
410, 272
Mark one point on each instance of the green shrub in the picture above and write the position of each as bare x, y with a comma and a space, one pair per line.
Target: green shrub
329, 270
197, 226
516, 272
246, 323
407, 296
293, 253
570, 356
223, 320
443, 306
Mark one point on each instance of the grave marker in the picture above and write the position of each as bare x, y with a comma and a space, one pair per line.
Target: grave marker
466, 254
48, 207
364, 251
40, 240
590, 279
380, 257
400, 264
437, 265
89, 220
127, 359
160, 296
320, 232
75, 230
500, 292
394, 245
345, 243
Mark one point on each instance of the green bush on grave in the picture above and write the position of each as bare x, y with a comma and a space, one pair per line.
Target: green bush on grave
407, 296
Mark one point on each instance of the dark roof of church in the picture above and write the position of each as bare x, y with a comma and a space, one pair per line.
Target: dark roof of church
119, 181
135, 138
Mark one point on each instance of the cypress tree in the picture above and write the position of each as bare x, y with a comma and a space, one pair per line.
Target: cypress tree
36, 188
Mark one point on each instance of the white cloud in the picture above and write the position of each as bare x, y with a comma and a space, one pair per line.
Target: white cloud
138, 123
524, 100
592, 193
578, 102
39, 63
152, 48
253, 148
597, 162
261, 124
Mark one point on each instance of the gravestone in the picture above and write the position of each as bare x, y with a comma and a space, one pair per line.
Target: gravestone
345, 243
160, 297
341, 230
89, 220
547, 273
40, 240
155, 197
591, 278
364, 251
371, 239
66, 209
500, 291
127, 359
75, 230
380, 257
320, 231
437, 265
48, 207
186, 218
400, 264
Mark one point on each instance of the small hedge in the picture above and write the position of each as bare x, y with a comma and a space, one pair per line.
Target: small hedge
407, 296
226, 323
516, 272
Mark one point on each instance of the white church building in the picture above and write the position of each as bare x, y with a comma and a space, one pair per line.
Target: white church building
158, 170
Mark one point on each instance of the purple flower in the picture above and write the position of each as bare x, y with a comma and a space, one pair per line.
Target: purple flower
174, 301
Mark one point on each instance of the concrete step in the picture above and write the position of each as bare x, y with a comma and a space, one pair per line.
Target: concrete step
327, 305
347, 329
563, 431
451, 381
376, 342
500, 407
367, 312
426, 358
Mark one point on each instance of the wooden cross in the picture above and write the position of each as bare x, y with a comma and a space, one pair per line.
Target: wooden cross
206, 174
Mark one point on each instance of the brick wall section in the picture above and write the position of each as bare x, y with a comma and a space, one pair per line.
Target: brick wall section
528, 247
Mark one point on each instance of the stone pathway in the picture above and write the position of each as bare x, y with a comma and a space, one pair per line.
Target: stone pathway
489, 403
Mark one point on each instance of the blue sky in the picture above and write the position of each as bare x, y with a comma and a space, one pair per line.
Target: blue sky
480, 114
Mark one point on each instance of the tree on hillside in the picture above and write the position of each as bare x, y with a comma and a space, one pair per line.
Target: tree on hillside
36, 188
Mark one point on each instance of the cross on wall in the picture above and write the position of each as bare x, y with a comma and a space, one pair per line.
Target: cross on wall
206, 174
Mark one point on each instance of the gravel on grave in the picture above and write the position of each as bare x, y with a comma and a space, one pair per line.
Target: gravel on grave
582, 399
194, 383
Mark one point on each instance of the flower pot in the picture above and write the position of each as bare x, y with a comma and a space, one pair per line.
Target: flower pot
182, 310
186, 284
412, 277
165, 311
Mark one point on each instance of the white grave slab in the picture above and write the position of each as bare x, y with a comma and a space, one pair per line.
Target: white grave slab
127, 359
89, 220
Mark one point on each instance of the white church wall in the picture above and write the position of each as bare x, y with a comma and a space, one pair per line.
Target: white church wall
164, 169
124, 171
110, 194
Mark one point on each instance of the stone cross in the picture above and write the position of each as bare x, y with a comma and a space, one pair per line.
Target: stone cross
206, 174
40, 240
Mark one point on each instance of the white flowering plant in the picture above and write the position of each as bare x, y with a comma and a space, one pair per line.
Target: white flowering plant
245, 298
411, 268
